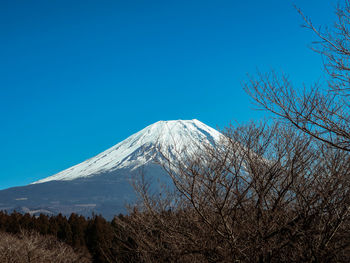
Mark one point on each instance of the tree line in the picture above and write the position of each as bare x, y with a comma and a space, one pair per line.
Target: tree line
94, 238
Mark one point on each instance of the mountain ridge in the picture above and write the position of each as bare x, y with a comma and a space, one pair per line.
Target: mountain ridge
102, 184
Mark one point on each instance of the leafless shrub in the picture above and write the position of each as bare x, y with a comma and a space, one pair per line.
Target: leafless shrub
32, 247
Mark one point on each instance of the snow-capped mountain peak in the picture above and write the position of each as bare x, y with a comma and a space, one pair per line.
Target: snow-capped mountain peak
141, 148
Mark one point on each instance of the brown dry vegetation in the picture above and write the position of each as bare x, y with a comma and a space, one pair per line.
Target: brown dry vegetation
32, 247
267, 194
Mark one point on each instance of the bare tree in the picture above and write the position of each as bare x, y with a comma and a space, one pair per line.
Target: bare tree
320, 111
266, 194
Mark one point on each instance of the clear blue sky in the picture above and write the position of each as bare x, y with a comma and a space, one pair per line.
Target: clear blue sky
77, 77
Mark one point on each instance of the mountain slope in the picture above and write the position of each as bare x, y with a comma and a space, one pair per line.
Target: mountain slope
140, 148
102, 184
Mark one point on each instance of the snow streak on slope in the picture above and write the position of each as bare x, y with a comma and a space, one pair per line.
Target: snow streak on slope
140, 148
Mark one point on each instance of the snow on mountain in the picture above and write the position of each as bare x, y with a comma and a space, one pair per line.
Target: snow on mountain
103, 184
141, 148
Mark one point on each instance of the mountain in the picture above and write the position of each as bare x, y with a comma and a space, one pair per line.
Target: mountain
102, 184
